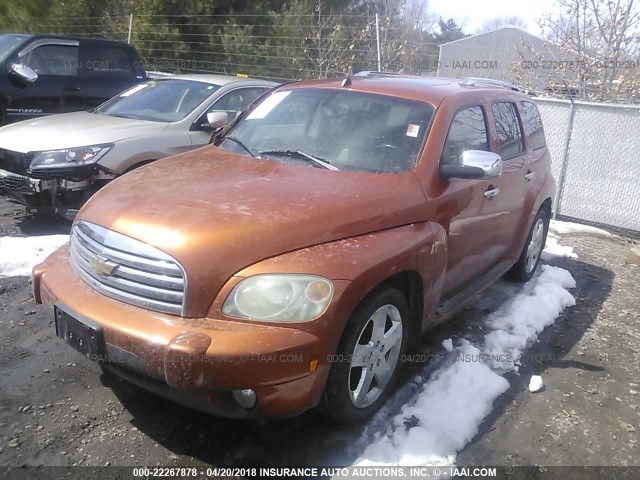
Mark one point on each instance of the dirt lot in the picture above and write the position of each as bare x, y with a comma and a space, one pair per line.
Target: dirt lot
58, 409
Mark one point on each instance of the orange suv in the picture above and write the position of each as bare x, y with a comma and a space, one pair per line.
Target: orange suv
296, 261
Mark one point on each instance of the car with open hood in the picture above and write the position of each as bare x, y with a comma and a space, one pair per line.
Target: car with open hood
296, 261
53, 164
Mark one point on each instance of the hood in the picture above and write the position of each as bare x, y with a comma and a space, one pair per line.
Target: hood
69, 130
217, 212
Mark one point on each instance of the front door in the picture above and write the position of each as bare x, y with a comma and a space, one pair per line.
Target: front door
55, 91
467, 208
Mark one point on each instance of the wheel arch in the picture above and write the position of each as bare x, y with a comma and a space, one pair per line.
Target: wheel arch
138, 164
411, 285
547, 206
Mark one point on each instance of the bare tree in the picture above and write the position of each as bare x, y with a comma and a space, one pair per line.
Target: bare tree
600, 45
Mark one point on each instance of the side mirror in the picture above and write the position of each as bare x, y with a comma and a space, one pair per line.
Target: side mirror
25, 72
474, 164
217, 119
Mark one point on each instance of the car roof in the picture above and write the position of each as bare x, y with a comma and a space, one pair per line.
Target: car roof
216, 79
427, 89
37, 36
69, 37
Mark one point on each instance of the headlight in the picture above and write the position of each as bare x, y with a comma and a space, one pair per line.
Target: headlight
279, 298
68, 157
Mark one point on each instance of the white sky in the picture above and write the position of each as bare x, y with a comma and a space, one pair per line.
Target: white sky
473, 13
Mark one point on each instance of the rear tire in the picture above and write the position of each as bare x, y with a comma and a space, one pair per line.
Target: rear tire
368, 358
529, 259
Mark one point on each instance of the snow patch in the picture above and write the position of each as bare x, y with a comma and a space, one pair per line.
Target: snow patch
560, 228
18, 255
448, 345
535, 383
449, 408
446, 414
517, 323
553, 249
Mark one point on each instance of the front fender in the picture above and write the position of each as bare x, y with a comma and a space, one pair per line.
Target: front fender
355, 265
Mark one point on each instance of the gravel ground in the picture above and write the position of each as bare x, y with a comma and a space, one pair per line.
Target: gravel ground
58, 409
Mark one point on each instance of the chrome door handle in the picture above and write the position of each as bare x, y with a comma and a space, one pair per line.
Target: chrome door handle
529, 175
491, 193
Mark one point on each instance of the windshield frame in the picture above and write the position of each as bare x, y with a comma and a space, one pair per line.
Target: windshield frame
204, 103
292, 87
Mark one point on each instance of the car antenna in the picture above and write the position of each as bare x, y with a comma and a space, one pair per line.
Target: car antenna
346, 82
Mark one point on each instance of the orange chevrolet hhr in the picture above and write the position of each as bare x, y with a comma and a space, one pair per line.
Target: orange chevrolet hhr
295, 262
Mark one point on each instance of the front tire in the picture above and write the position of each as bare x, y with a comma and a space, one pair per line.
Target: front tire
368, 358
529, 259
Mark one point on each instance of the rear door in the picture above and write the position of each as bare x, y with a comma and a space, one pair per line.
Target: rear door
509, 143
535, 159
56, 89
105, 71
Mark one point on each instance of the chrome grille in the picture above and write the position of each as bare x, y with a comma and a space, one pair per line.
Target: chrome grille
126, 269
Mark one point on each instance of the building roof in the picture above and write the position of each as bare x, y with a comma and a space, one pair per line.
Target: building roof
497, 30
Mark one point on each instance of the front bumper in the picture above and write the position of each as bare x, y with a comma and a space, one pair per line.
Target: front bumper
194, 361
51, 196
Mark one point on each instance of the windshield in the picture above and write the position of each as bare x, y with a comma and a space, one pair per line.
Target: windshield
346, 129
167, 100
8, 43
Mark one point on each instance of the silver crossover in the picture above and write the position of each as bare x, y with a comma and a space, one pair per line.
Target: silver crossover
54, 164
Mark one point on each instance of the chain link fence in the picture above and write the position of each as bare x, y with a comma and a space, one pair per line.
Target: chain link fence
595, 158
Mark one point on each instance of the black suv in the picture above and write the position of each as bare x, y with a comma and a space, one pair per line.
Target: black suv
44, 74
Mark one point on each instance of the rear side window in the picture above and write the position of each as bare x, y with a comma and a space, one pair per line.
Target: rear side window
511, 141
53, 60
468, 131
107, 60
534, 123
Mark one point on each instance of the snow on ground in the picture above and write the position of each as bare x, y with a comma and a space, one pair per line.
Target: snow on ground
558, 227
553, 248
449, 408
18, 255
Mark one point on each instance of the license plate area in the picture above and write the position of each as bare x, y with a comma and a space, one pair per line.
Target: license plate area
85, 338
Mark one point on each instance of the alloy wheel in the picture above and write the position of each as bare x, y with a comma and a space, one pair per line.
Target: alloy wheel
375, 356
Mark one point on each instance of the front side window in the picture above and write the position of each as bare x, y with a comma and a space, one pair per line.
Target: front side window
511, 141
159, 100
534, 123
53, 60
237, 100
349, 130
468, 131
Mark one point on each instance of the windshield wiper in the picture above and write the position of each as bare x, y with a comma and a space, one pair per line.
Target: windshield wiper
302, 155
235, 140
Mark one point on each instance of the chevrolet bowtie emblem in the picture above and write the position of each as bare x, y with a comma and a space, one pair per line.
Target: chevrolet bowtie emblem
102, 266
